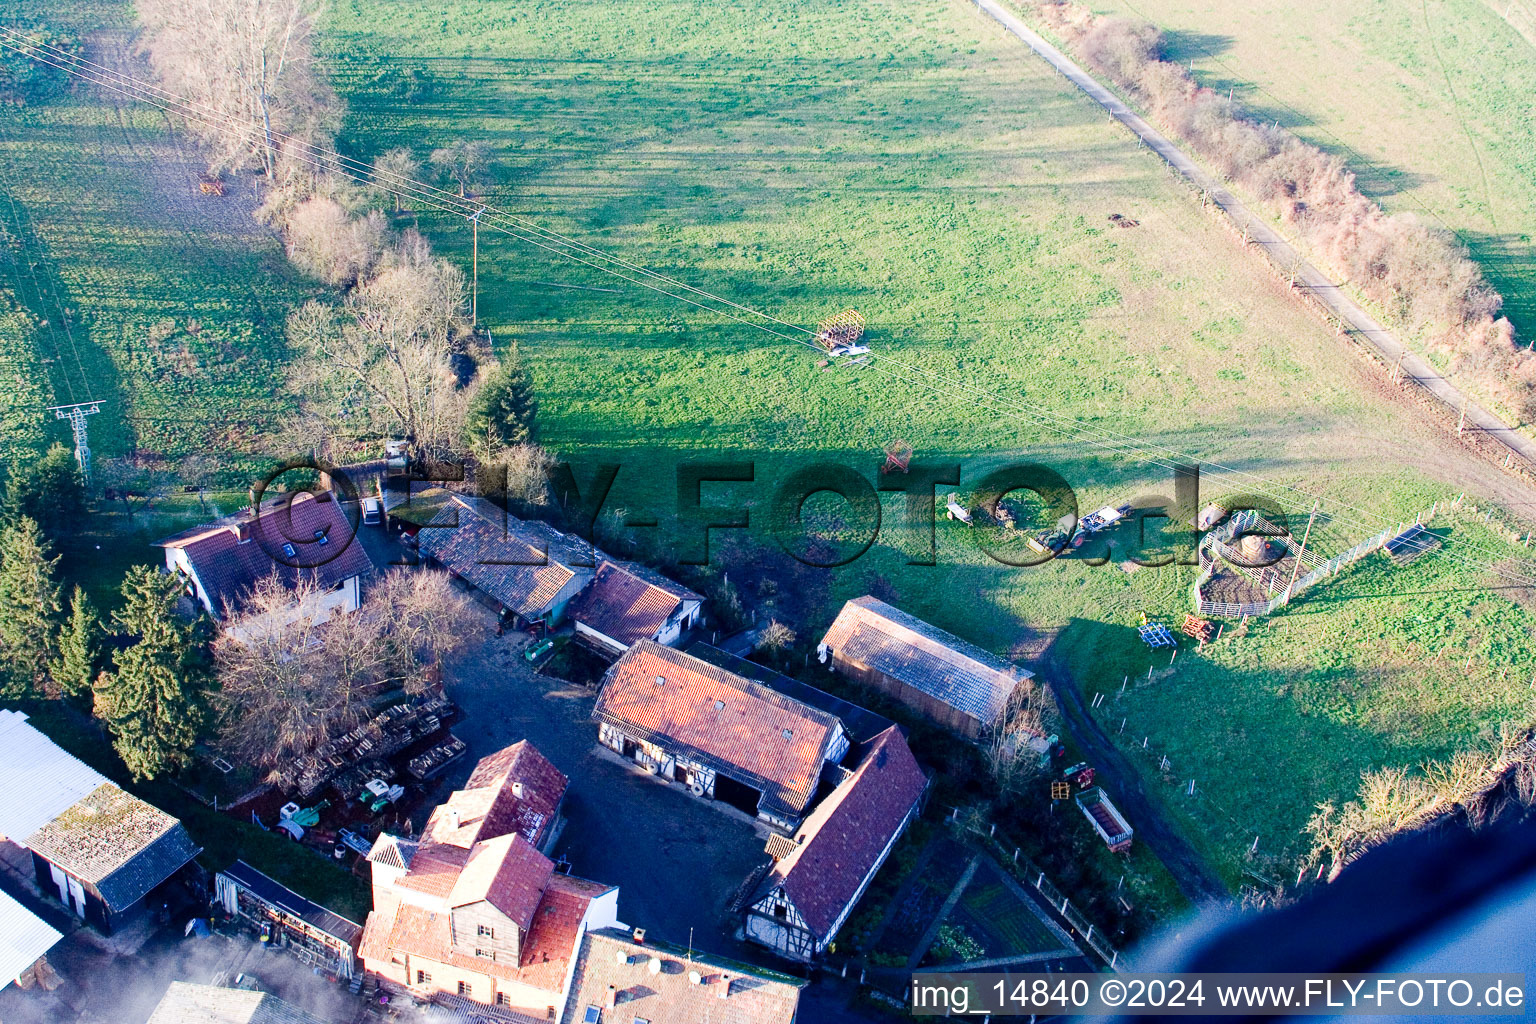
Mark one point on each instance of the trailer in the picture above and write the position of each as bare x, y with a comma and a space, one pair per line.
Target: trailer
955, 510
1106, 819
1095, 522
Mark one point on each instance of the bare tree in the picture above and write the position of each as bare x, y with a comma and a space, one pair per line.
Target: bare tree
392, 166
429, 621
381, 362
1029, 712
776, 639
292, 677
282, 691
248, 61
328, 243
463, 162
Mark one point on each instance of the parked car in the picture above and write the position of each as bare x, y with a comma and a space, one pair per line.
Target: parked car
373, 512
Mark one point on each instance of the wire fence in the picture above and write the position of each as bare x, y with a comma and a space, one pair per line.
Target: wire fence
1217, 555
1028, 873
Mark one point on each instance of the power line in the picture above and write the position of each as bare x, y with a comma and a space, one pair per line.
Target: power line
576, 251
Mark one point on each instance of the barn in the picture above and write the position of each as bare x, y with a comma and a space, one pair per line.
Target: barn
819, 873
954, 683
722, 735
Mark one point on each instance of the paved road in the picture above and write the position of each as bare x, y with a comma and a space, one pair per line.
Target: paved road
1308, 277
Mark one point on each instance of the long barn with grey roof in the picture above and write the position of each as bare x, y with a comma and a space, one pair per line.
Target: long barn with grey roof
954, 683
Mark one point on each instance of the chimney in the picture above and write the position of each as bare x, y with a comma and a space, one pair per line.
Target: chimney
453, 817
725, 986
517, 789
243, 531
639, 936
613, 997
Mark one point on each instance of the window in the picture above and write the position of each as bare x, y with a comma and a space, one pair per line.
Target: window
789, 733
423, 978
466, 989
502, 999
719, 705
290, 550
321, 538
487, 930
779, 911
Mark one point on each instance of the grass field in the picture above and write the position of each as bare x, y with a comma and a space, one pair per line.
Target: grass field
908, 161
165, 305
1427, 101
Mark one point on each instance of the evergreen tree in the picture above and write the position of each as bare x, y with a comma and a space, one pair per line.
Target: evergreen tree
153, 701
29, 607
50, 491
75, 667
503, 413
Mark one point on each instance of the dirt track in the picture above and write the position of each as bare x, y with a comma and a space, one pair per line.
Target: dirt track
1311, 281
1194, 876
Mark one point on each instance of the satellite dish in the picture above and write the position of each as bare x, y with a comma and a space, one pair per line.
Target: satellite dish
655, 966
694, 977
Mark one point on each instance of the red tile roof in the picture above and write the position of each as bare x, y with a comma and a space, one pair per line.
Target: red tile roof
228, 569
506, 872
841, 841
546, 951
776, 741
627, 603
434, 869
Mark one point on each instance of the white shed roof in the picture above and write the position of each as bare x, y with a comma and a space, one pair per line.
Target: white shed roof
41, 780
23, 938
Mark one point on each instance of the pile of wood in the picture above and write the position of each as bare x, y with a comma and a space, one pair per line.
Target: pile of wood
211, 186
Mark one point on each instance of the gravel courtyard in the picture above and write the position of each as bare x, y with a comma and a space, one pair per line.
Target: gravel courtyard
677, 860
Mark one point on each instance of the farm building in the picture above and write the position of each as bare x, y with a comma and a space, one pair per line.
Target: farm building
861, 724
819, 874
103, 852
473, 909
722, 735
221, 562
627, 603
24, 939
623, 977
186, 1003
954, 683
515, 789
528, 571
287, 920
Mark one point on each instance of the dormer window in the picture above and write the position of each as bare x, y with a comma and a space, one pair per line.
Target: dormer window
290, 551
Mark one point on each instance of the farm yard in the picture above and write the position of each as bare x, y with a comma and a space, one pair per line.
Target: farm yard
959, 196
1036, 289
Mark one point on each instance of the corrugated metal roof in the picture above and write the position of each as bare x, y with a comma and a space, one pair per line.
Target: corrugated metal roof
41, 780
23, 938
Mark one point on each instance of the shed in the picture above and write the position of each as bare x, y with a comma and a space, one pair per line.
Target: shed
626, 603
24, 939
313, 933
954, 683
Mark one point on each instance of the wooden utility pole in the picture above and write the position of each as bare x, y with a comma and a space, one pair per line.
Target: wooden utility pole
474, 288
1297, 567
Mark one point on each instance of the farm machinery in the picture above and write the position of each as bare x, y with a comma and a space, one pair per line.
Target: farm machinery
1098, 522
378, 794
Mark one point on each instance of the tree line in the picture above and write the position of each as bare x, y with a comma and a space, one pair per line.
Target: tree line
390, 352
1418, 276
